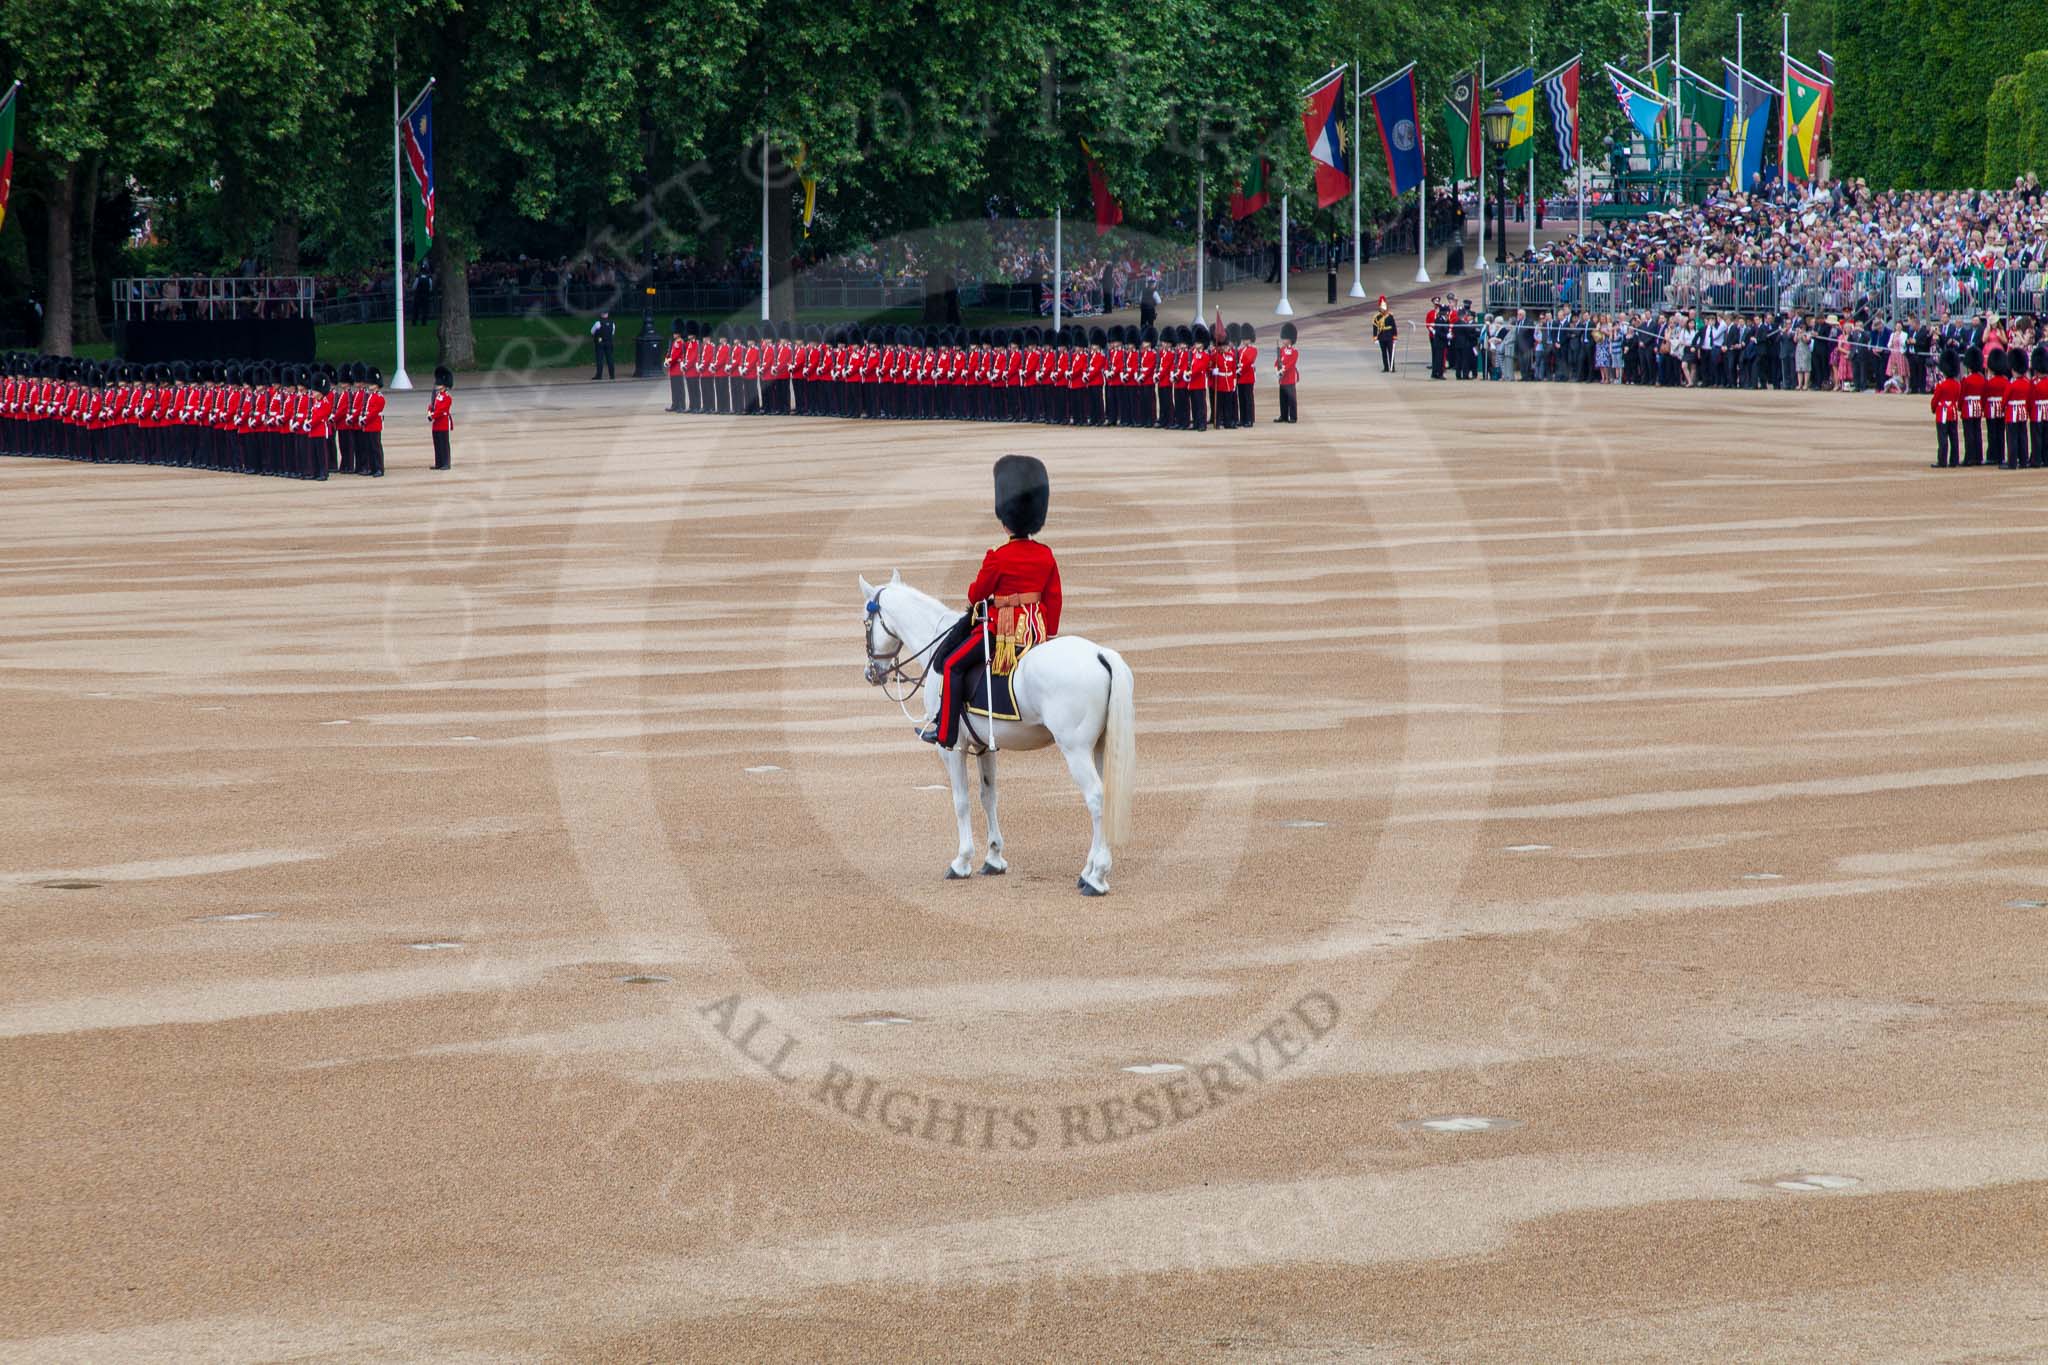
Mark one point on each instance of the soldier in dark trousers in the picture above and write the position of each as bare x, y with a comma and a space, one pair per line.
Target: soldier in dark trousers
441, 417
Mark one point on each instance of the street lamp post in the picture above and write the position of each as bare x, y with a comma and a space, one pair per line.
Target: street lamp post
1498, 121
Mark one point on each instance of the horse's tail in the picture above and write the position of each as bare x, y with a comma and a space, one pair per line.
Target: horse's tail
1119, 749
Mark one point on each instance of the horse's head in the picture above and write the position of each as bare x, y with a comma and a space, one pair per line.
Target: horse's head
884, 646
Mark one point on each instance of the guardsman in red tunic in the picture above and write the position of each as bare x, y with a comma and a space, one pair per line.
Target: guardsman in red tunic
1198, 380
441, 417
1247, 372
673, 363
1287, 361
2019, 407
372, 458
1973, 406
1223, 369
1014, 602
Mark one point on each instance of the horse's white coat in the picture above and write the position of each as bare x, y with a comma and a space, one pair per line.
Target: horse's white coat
1070, 692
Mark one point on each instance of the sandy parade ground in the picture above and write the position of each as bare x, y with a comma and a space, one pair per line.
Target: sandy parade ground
1587, 898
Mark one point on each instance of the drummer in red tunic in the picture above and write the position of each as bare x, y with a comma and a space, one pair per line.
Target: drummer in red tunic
1019, 582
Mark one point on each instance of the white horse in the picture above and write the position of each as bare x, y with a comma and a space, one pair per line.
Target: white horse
1069, 692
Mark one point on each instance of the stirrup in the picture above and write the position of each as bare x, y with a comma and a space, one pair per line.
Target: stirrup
930, 734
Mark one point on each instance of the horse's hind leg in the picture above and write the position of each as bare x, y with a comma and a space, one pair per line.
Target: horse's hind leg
995, 866
963, 811
1081, 763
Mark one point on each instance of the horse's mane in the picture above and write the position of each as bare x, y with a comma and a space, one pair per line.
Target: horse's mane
918, 593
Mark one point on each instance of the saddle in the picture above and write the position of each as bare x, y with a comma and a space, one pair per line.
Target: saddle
1003, 706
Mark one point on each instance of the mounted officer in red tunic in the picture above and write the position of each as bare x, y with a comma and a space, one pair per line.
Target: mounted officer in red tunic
1013, 603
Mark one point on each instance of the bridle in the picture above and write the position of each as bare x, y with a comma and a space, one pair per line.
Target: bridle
883, 669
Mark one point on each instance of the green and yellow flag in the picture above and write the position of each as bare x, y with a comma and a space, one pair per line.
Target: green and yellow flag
1806, 104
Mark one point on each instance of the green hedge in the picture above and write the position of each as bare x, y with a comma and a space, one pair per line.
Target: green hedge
2002, 136
1915, 78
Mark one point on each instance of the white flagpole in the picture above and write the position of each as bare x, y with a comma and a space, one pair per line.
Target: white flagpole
1357, 217
399, 378
1285, 309
1201, 227
764, 225
1421, 193
1059, 285
1478, 95
1785, 105
1532, 142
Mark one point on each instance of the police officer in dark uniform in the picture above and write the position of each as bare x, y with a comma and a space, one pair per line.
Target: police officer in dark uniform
602, 334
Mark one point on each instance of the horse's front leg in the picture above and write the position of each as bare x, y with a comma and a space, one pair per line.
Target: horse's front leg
995, 866
963, 811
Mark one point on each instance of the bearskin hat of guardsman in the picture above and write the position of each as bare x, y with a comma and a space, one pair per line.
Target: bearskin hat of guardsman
1023, 494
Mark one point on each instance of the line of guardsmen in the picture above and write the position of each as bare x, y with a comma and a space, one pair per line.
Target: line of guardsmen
1988, 413
1181, 377
243, 417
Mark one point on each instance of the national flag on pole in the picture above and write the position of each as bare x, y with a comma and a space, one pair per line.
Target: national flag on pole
1461, 125
8, 102
1328, 142
1397, 110
1108, 213
809, 183
1640, 104
1806, 104
1518, 91
1702, 116
1749, 122
1251, 194
1561, 93
417, 128
1827, 69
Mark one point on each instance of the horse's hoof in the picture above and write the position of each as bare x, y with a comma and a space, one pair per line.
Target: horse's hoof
953, 876
991, 870
1088, 890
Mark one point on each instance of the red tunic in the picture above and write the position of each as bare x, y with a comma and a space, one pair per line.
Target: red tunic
440, 412
1021, 565
1947, 400
1973, 397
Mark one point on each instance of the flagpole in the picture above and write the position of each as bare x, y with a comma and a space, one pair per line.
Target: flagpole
1741, 93
1532, 141
1421, 200
1477, 95
1285, 309
1201, 228
1357, 218
399, 378
1784, 100
1058, 285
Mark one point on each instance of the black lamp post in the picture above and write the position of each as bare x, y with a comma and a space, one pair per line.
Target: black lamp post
1498, 122
647, 346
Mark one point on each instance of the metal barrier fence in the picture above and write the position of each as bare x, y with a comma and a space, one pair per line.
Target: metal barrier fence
1026, 299
1619, 287
212, 298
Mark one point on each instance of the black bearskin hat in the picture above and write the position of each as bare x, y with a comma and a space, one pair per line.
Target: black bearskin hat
1023, 494
1973, 360
1996, 361
1287, 332
442, 378
375, 377
1201, 334
1148, 336
1951, 364
2017, 358
1247, 333
2041, 359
